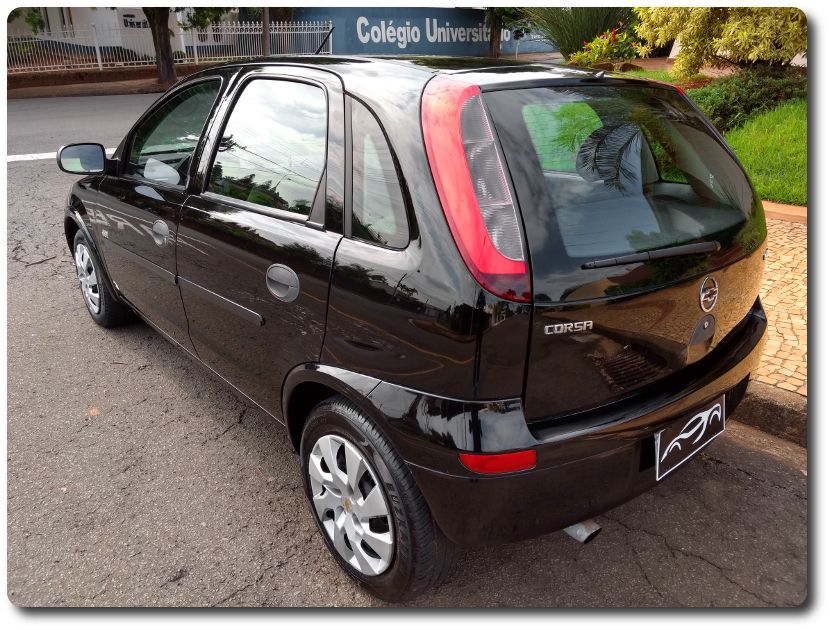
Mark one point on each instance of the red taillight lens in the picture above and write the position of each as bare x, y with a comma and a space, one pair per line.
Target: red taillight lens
472, 185
499, 463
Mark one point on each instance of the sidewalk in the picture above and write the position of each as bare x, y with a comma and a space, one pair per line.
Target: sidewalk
784, 295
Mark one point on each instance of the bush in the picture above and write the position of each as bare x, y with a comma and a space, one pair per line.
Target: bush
773, 149
568, 27
730, 101
610, 46
716, 36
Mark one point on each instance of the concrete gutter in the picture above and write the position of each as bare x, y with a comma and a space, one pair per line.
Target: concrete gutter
785, 212
774, 411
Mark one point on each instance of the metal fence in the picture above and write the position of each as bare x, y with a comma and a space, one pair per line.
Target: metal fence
91, 47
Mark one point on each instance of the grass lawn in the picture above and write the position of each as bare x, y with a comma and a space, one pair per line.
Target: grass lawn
665, 76
773, 149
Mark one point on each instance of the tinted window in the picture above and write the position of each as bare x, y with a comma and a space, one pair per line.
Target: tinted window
273, 149
557, 130
163, 145
378, 210
626, 169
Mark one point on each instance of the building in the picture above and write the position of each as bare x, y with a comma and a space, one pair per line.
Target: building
357, 30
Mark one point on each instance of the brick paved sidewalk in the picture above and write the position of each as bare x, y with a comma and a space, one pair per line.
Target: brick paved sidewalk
784, 294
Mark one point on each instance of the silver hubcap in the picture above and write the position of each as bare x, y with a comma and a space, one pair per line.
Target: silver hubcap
351, 505
88, 278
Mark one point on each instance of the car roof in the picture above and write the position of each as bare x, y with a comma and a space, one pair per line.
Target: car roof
392, 86
357, 72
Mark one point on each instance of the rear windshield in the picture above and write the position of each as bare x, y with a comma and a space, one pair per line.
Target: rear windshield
613, 170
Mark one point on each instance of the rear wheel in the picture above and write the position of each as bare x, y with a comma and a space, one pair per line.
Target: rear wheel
101, 305
367, 506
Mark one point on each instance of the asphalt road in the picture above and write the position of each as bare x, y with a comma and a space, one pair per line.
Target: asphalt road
137, 479
38, 125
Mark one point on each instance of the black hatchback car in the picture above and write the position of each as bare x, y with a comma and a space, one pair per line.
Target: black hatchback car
486, 300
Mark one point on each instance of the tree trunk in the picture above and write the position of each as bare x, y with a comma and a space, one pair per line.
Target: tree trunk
495, 34
266, 32
158, 18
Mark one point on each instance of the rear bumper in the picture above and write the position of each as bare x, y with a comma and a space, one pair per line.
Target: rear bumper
585, 466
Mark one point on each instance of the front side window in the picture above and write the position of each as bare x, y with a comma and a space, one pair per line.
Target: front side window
378, 210
273, 149
163, 145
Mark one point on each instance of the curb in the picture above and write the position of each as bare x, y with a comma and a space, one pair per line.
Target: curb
91, 89
785, 212
774, 411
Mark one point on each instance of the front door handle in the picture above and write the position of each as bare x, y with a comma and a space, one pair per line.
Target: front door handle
282, 283
161, 233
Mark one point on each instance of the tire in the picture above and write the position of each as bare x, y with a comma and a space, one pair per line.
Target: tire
422, 556
104, 309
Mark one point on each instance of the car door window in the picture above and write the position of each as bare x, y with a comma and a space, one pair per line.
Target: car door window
378, 209
273, 149
163, 145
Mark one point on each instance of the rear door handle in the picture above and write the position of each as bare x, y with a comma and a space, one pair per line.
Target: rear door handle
282, 283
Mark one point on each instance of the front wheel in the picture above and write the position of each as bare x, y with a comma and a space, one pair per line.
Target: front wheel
367, 506
101, 305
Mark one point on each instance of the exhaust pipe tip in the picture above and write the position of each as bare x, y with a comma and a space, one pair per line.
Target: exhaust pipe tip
583, 532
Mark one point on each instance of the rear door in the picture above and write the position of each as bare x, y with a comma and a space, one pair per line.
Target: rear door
255, 244
605, 171
138, 210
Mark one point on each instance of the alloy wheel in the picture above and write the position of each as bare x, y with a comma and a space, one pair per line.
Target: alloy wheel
351, 505
88, 278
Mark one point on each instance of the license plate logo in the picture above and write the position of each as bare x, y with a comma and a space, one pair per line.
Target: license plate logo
678, 442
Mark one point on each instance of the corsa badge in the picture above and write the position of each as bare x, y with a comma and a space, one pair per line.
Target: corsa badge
570, 327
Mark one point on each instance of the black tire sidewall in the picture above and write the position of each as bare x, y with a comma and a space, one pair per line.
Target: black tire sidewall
112, 312
328, 419
103, 316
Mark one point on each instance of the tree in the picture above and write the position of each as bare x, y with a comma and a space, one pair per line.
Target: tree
158, 18
498, 18
32, 17
266, 32
568, 27
723, 36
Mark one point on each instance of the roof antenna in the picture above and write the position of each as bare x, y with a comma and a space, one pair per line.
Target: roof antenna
331, 30
600, 74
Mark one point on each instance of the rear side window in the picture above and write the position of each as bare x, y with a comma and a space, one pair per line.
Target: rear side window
163, 144
273, 148
378, 209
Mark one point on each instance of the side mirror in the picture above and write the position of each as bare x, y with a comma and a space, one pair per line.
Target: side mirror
82, 159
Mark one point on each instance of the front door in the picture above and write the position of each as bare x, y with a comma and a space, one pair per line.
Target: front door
254, 253
138, 211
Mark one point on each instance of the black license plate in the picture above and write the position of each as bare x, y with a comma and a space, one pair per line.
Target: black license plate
682, 439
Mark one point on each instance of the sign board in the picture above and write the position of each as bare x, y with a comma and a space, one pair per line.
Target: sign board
412, 31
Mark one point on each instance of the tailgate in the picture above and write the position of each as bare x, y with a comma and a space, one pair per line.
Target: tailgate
608, 175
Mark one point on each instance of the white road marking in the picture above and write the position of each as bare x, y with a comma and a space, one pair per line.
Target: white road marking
25, 157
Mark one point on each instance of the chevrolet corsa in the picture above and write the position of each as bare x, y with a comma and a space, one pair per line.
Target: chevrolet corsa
487, 300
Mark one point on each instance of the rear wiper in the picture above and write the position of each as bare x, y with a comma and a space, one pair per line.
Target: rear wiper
655, 254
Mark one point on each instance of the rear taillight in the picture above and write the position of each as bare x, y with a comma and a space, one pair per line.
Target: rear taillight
472, 185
